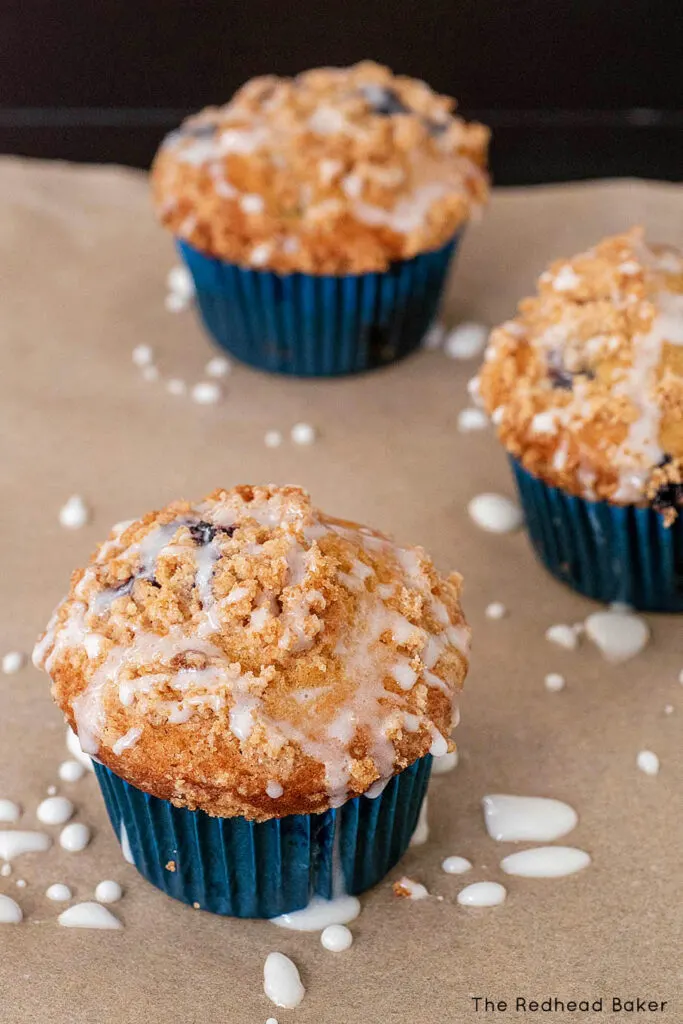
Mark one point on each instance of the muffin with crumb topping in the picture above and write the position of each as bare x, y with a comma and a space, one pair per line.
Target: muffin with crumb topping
585, 387
262, 687
318, 214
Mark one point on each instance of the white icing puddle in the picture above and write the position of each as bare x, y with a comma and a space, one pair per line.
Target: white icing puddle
13, 844
75, 513
471, 419
10, 911
410, 889
74, 748
125, 846
336, 938
482, 894
71, 771
58, 892
563, 636
108, 892
456, 865
439, 745
421, 833
142, 355
9, 812
446, 763
74, 837
56, 810
466, 341
319, 914
554, 682
89, 915
13, 662
618, 633
495, 513
648, 762
281, 981
303, 433
519, 819
546, 862
495, 611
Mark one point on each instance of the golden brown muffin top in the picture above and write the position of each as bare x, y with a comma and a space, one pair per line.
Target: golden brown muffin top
339, 170
585, 384
249, 655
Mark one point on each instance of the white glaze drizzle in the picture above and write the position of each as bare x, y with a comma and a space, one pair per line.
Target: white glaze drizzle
58, 892
127, 741
336, 938
410, 889
10, 911
74, 837
89, 915
56, 810
9, 811
125, 845
108, 891
421, 833
563, 635
445, 763
648, 762
546, 862
515, 819
76, 750
14, 844
619, 633
71, 771
495, 513
320, 914
429, 179
641, 449
482, 894
281, 981
216, 685
456, 865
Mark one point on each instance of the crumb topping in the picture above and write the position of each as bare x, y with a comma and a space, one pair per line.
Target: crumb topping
339, 170
585, 384
252, 656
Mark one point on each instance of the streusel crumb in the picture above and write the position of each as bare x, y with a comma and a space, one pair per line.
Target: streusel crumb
585, 384
339, 170
249, 655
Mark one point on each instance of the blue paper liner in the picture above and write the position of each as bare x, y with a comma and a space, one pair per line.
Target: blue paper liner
261, 869
612, 553
319, 325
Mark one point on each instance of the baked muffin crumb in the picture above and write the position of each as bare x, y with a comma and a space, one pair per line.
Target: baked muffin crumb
338, 170
585, 384
249, 655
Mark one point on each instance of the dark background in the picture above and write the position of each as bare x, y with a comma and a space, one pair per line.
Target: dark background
571, 88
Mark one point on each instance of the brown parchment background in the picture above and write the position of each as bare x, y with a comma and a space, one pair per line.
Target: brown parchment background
82, 269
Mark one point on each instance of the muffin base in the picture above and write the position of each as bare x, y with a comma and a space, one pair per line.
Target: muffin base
242, 868
611, 553
310, 325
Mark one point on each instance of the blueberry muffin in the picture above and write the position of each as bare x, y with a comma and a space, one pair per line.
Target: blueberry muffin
585, 388
261, 686
338, 175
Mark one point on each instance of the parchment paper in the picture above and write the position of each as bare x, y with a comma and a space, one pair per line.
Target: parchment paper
82, 266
